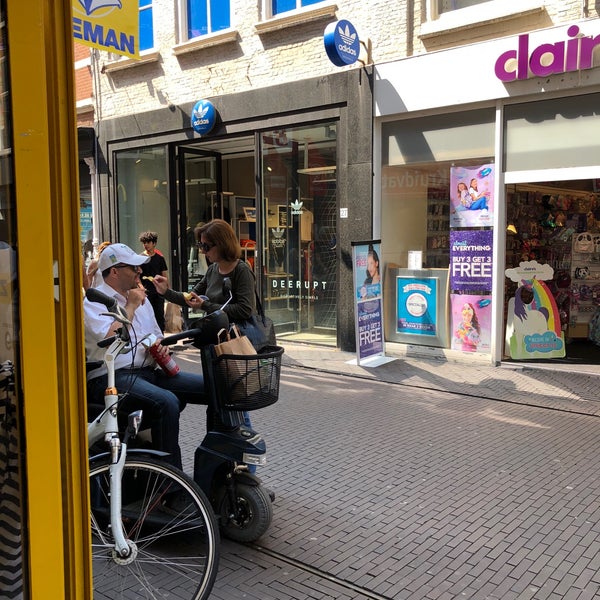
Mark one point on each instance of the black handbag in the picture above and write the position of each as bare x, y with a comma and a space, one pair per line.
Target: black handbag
259, 329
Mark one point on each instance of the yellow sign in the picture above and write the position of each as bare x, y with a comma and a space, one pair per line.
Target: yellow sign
111, 25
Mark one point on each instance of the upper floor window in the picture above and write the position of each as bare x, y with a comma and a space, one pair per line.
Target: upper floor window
444, 6
206, 16
447, 16
146, 25
281, 6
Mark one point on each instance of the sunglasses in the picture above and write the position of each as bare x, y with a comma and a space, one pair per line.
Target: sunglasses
135, 268
204, 246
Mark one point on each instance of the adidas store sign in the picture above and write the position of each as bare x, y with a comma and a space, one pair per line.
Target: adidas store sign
204, 117
341, 43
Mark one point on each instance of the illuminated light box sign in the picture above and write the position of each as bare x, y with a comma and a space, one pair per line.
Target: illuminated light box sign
204, 117
341, 43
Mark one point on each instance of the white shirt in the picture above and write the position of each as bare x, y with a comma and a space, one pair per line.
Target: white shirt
97, 326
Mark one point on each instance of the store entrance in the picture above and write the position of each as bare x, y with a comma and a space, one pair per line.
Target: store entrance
557, 224
288, 236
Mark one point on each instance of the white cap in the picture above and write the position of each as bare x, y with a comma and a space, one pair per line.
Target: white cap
120, 254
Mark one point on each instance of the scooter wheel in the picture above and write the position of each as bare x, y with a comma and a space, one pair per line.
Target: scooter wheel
251, 516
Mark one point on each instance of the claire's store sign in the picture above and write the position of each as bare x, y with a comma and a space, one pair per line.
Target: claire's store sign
341, 43
550, 58
204, 117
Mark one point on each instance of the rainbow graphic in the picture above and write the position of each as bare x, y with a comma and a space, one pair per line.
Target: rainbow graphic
542, 297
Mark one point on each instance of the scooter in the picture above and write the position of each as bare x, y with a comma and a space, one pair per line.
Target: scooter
225, 461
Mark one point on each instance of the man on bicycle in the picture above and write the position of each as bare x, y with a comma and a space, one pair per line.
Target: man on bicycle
147, 387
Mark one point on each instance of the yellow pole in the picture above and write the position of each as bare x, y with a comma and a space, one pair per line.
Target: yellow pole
46, 181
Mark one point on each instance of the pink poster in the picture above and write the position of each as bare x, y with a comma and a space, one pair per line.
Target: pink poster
472, 196
471, 322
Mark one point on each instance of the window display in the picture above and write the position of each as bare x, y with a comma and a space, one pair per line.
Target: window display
557, 225
299, 230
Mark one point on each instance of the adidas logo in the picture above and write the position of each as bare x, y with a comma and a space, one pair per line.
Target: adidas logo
201, 112
296, 207
277, 240
346, 36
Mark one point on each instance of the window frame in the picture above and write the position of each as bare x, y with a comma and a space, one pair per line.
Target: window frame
184, 24
473, 16
143, 6
268, 8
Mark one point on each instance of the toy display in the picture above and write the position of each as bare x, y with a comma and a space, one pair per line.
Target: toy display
561, 230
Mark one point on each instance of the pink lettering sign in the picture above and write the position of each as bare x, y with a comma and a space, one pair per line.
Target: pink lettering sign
547, 59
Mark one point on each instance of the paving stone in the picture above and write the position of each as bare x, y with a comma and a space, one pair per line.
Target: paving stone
422, 480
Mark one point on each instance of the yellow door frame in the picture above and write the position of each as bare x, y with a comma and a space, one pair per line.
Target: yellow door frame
51, 331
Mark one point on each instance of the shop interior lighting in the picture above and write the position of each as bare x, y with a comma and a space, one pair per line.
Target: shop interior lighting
317, 170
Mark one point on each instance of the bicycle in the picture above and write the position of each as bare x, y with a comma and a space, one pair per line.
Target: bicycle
152, 527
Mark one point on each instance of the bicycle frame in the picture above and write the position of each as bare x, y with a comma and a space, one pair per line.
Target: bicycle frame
106, 425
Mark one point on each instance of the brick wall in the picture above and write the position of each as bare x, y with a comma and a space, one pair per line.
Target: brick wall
294, 53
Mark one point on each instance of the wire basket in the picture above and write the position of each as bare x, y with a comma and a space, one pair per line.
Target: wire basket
248, 382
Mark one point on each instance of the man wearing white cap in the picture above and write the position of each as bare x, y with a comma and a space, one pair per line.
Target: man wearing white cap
161, 398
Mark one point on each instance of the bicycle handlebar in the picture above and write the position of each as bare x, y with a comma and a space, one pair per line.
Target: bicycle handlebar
94, 295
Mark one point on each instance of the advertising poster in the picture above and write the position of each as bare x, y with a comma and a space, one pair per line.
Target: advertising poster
471, 260
472, 196
370, 329
533, 328
417, 305
471, 322
368, 299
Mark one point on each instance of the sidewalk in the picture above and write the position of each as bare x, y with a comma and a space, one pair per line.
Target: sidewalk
559, 388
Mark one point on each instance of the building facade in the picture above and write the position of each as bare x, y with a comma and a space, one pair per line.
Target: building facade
510, 102
292, 146
297, 140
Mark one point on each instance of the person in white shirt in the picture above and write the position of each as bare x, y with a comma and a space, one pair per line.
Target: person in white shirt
148, 388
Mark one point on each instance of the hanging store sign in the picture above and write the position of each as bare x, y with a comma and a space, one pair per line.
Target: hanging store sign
109, 25
341, 43
204, 117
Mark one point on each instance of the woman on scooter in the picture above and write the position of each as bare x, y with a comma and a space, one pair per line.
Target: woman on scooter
218, 242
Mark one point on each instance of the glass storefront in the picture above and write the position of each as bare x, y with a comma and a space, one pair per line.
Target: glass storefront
288, 237
417, 199
142, 197
299, 229
549, 223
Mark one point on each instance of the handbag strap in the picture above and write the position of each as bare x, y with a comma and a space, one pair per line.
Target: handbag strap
259, 307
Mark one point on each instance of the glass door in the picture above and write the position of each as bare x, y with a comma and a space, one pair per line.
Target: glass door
299, 231
200, 200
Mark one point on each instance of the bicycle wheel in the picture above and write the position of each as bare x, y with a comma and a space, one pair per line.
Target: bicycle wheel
171, 528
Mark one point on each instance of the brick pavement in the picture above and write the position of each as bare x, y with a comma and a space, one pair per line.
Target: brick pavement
422, 480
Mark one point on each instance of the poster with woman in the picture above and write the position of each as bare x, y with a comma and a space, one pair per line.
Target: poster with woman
472, 196
368, 300
471, 322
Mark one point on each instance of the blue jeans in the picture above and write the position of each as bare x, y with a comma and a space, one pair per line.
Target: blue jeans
480, 203
161, 398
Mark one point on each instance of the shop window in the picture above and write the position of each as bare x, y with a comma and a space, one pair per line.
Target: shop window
417, 198
299, 259
146, 25
141, 193
552, 134
203, 17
